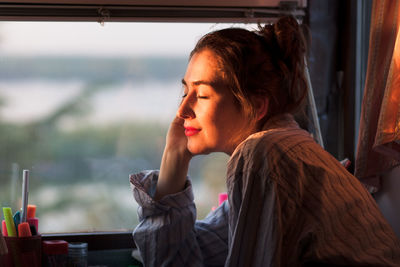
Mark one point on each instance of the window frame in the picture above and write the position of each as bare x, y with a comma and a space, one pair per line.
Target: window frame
150, 11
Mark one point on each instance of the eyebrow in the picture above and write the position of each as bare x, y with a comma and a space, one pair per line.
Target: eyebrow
199, 82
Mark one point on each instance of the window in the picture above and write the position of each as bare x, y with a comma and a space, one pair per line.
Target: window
82, 106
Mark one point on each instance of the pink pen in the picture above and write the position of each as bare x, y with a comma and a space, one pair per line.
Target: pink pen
34, 222
31, 219
222, 197
4, 228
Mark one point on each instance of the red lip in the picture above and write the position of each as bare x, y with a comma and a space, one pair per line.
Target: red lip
189, 131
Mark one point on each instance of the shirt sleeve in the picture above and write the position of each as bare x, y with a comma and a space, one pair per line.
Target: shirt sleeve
168, 233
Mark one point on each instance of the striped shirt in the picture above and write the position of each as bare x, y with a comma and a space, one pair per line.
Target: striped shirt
290, 203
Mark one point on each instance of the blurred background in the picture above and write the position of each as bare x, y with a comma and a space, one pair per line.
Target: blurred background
83, 105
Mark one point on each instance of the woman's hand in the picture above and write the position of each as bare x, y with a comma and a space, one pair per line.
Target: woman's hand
176, 139
175, 161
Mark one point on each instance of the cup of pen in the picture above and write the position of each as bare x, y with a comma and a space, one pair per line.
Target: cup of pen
22, 251
23, 248
24, 244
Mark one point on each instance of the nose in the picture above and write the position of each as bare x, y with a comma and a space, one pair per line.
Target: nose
185, 110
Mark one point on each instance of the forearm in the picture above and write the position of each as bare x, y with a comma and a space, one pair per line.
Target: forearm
173, 173
165, 234
167, 231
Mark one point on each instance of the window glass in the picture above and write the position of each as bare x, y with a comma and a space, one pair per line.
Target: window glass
82, 106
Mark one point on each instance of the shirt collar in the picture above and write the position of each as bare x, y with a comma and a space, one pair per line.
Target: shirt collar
285, 120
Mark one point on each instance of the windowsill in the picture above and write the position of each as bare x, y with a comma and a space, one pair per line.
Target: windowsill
105, 248
96, 240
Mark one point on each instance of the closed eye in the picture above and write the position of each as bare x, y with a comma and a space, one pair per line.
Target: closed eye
202, 97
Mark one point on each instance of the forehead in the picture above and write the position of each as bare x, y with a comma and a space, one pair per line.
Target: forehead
203, 66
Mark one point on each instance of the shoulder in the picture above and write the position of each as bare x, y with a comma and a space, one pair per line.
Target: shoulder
272, 140
280, 133
266, 148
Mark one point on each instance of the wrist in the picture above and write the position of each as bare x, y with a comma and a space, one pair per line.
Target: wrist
180, 155
173, 173
174, 165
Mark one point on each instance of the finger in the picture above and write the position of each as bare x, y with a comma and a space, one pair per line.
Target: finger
178, 120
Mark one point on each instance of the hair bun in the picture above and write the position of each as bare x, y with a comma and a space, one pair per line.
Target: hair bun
284, 41
285, 38
290, 39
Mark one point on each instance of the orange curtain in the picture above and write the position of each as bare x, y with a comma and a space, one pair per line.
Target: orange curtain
378, 148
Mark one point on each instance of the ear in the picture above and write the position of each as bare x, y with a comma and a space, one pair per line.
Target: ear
261, 103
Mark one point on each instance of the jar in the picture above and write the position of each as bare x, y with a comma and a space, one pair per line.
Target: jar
55, 253
77, 254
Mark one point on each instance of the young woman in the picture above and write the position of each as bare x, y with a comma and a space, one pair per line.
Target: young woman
290, 203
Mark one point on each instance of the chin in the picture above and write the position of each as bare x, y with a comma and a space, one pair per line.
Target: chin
199, 150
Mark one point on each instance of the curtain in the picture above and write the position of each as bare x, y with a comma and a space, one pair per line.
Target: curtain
378, 149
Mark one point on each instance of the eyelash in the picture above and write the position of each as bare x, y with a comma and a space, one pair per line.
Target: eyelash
199, 96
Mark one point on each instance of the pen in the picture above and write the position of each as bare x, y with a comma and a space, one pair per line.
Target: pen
25, 191
17, 219
4, 228
8, 217
24, 230
32, 220
31, 211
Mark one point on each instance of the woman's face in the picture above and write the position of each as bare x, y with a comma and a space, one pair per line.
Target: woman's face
213, 121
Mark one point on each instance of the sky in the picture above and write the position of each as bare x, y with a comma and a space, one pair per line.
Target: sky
25, 98
91, 38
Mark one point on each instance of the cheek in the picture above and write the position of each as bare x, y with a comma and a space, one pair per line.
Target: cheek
228, 117
209, 117
220, 122
222, 126
235, 125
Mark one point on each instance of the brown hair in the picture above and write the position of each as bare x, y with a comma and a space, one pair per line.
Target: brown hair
268, 62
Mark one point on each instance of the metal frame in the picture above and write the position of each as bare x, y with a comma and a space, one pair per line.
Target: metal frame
132, 11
